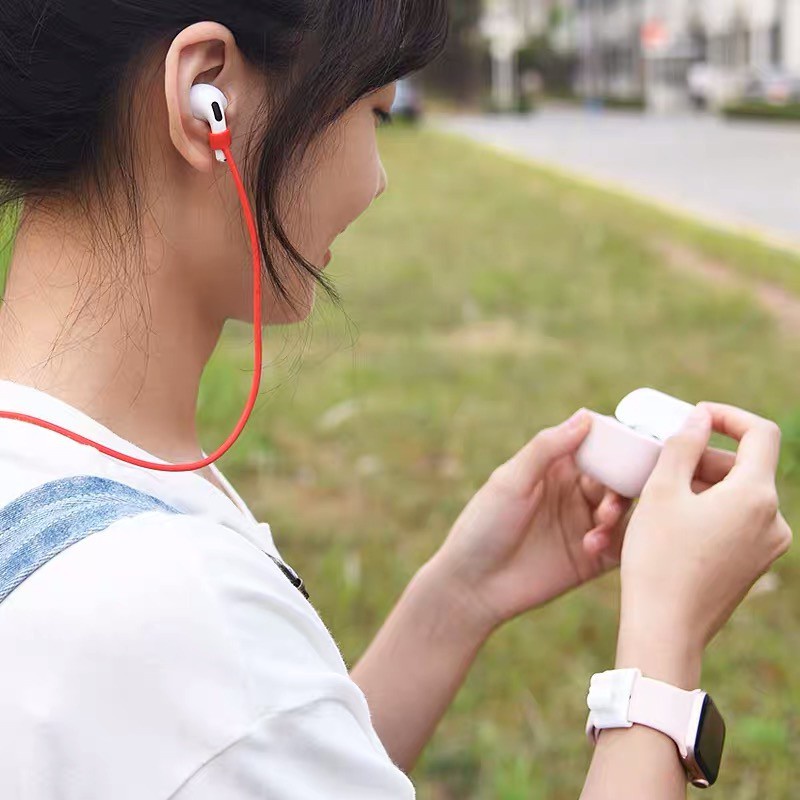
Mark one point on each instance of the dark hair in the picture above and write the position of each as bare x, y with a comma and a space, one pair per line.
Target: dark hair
66, 67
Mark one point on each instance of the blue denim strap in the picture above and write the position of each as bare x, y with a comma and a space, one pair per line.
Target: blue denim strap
45, 521
50, 518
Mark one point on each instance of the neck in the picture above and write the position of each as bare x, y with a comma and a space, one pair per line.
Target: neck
119, 337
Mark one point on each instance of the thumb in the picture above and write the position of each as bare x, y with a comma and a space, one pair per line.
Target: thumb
527, 468
682, 452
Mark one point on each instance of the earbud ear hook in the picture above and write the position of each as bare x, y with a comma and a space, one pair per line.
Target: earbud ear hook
209, 104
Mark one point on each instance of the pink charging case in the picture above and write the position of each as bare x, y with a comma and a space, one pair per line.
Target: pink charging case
622, 451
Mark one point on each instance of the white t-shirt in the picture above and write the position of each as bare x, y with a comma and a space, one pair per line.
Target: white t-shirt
168, 656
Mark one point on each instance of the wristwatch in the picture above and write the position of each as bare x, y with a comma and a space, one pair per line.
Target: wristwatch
620, 698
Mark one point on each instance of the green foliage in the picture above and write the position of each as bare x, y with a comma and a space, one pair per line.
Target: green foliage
790, 451
457, 73
557, 69
523, 104
8, 224
624, 103
764, 736
465, 15
761, 110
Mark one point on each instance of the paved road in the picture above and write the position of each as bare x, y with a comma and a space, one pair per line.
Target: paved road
741, 174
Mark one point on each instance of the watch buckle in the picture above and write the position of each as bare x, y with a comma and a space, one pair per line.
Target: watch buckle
610, 697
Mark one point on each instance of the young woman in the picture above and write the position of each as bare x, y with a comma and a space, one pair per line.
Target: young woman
167, 655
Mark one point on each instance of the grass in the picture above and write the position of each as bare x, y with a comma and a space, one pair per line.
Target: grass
486, 300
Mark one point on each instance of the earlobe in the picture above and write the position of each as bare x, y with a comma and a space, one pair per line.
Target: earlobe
196, 54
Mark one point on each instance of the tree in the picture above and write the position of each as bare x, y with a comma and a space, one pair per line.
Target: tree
458, 72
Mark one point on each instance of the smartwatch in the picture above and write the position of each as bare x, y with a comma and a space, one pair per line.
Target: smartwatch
620, 698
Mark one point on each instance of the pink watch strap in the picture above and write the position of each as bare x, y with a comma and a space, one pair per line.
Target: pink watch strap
665, 708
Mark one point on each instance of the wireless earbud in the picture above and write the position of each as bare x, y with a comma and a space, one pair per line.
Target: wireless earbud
209, 104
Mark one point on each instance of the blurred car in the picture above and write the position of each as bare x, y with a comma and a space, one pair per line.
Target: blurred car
773, 86
408, 103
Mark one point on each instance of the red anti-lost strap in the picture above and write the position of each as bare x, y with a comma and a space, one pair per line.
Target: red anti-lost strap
218, 141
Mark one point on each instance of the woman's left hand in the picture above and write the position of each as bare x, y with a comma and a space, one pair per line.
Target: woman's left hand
536, 529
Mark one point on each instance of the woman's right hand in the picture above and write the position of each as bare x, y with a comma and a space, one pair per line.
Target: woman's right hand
689, 559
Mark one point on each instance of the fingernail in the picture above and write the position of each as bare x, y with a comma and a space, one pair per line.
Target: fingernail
577, 419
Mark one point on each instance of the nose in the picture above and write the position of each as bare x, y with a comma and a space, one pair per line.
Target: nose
383, 180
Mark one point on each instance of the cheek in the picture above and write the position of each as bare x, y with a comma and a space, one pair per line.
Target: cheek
358, 183
347, 180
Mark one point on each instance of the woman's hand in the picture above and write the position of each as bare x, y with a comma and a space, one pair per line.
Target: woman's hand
689, 559
536, 529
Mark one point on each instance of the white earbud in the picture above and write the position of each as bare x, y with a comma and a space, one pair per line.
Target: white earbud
209, 104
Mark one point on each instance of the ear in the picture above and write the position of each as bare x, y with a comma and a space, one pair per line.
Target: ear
205, 52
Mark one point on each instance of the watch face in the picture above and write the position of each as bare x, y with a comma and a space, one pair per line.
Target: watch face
710, 741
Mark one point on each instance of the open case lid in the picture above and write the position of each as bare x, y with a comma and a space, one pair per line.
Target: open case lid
652, 412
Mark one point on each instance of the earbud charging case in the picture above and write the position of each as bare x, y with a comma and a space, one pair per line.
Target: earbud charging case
622, 451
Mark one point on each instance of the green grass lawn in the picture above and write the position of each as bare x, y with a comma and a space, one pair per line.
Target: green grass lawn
486, 299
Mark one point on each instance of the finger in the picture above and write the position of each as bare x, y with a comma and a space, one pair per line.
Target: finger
604, 547
593, 490
610, 510
681, 454
715, 465
597, 542
759, 438
527, 468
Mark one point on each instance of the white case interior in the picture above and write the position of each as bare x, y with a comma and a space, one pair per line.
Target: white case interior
653, 413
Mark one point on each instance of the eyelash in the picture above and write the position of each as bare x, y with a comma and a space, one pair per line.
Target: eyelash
384, 117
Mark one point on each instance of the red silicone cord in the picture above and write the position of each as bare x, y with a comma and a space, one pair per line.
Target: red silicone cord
257, 336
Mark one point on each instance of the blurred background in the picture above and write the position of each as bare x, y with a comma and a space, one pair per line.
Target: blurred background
666, 55
585, 197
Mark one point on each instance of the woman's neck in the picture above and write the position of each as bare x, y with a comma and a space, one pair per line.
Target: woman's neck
122, 338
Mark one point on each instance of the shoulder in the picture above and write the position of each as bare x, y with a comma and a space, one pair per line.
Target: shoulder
171, 634
179, 585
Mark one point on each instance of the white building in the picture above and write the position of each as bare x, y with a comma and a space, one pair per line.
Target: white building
746, 36
606, 37
645, 48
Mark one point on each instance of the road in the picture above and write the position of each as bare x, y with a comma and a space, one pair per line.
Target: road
742, 174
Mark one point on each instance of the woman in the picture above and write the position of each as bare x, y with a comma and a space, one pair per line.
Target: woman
167, 655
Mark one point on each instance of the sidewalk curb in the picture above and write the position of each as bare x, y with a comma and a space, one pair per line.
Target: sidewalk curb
710, 219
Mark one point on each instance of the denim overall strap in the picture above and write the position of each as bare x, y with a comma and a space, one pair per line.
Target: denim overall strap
50, 518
